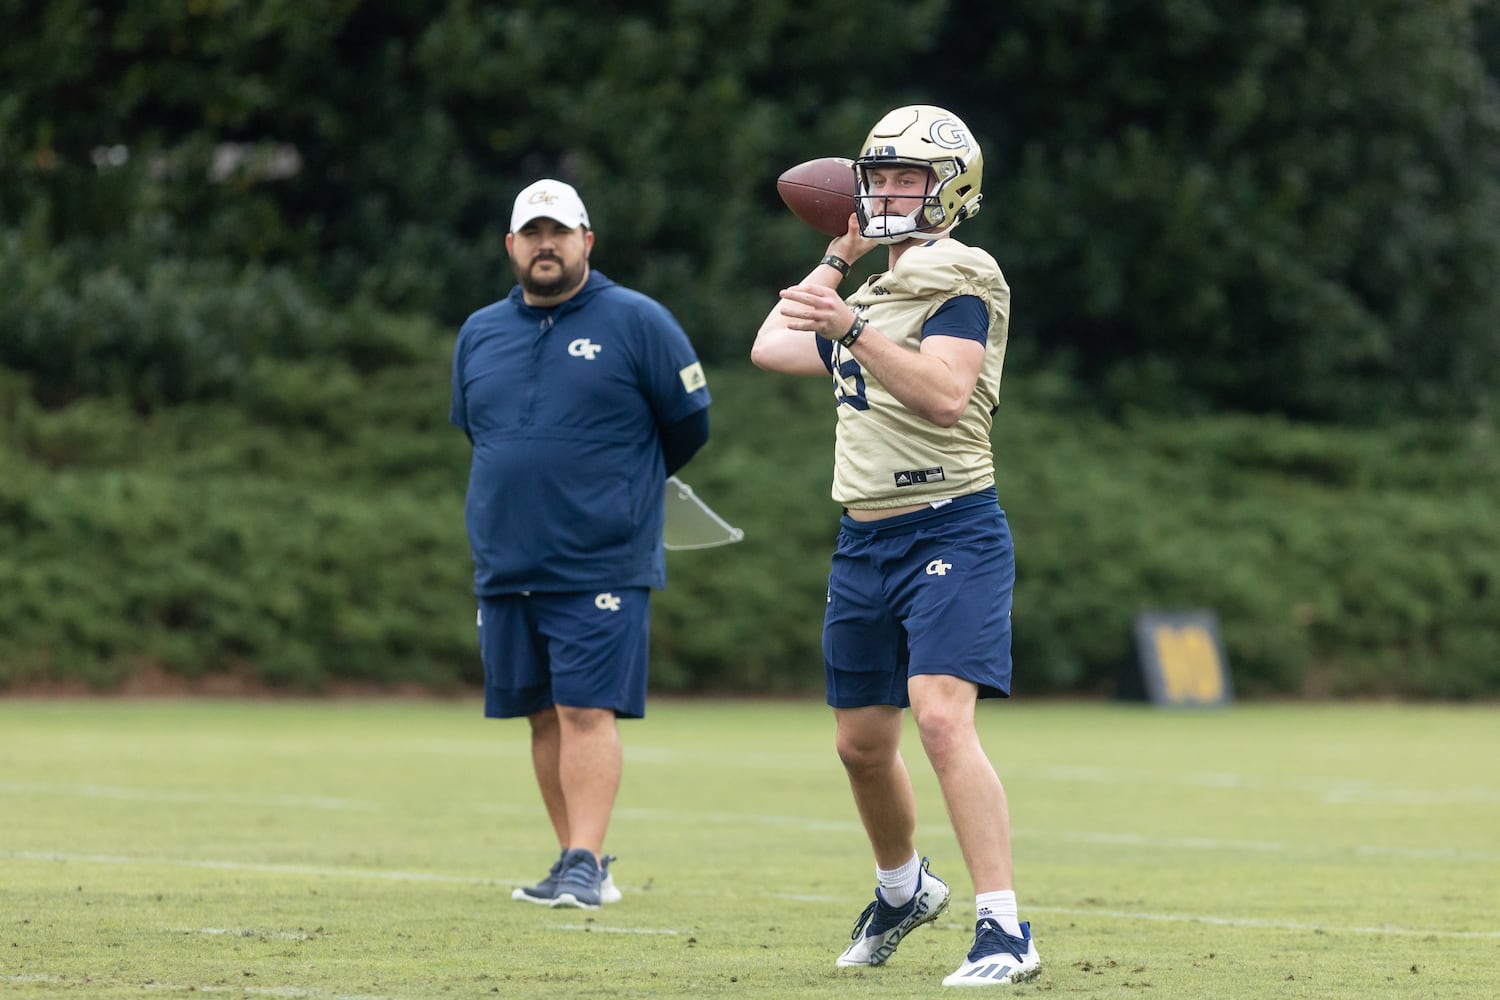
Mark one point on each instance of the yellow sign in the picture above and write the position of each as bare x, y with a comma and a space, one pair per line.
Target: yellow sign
1190, 668
1182, 660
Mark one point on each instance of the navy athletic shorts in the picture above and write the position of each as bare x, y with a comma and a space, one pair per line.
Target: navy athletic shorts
583, 650
922, 593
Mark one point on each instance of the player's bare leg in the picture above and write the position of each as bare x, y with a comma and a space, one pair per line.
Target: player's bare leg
868, 744
943, 707
1003, 951
909, 894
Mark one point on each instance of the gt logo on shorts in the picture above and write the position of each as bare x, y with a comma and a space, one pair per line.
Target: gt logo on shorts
584, 348
607, 602
938, 568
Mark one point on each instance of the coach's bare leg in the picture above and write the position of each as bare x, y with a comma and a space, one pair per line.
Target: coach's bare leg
546, 736
944, 709
589, 765
869, 745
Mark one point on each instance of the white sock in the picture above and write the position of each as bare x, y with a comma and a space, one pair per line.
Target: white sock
1001, 908
899, 885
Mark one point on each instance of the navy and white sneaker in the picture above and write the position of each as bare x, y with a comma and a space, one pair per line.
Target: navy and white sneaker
881, 927
545, 891
579, 882
997, 958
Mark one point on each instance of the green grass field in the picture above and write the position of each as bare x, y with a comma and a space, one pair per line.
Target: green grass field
366, 849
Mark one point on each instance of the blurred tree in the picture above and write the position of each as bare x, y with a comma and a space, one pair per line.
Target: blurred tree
1282, 207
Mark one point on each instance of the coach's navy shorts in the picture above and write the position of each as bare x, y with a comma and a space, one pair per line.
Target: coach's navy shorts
582, 650
922, 593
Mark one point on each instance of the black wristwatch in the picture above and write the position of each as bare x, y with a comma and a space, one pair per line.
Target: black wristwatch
855, 329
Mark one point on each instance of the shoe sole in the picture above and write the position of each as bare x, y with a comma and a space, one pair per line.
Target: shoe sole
1030, 975
607, 894
521, 896
567, 900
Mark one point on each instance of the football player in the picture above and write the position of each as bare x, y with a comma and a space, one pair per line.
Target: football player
919, 594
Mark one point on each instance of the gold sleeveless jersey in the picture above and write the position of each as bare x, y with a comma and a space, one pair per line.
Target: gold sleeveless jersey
885, 455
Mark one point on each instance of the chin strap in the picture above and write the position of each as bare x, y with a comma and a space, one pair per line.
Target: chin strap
898, 229
890, 228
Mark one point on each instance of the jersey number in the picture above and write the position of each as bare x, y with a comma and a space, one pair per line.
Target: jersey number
851, 376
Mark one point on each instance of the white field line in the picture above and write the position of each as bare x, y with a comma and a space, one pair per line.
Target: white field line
1147, 841
397, 876
245, 932
94, 982
1251, 922
1268, 846
250, 866
598, 929
1331, 791
248, 932
188, 796
731, 818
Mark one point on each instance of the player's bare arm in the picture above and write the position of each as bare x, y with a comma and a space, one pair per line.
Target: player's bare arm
779, 347
782, 347
935, 383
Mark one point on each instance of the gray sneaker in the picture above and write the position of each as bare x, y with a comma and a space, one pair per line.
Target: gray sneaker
579, 883
881, 927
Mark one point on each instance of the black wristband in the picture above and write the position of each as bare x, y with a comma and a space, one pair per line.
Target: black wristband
839, 264
855, 329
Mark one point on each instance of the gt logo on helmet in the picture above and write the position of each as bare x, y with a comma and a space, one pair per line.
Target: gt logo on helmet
950, 134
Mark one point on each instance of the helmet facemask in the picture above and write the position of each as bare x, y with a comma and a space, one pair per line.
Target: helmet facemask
927, 215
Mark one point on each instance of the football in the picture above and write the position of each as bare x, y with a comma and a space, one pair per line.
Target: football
820, 192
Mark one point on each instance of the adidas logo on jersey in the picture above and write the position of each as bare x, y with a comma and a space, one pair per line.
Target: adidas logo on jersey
915, 477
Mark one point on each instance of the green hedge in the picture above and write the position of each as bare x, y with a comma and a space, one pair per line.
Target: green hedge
310, 533
160, 330
1281, 206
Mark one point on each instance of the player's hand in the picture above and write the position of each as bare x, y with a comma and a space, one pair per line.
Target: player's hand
816, 308
851, 246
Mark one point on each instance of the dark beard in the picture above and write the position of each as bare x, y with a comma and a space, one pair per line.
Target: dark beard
567, 279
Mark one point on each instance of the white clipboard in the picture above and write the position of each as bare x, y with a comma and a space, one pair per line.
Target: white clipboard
691, 523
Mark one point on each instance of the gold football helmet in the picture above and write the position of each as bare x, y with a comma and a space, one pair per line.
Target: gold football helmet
926, 137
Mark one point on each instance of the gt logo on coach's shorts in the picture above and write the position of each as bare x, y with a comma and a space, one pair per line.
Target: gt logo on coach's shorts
584, 348
938, 568
607, 602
